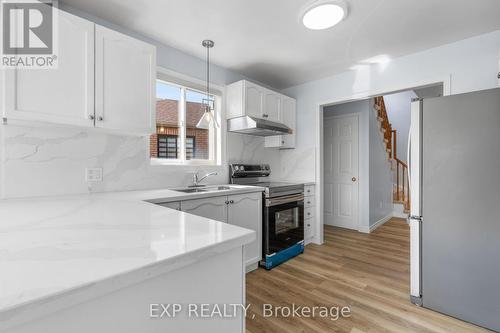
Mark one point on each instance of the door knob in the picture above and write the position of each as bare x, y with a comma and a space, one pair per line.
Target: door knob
353, 179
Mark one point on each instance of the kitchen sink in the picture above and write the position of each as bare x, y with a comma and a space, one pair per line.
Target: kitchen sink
203, 189
191, 190
217, 188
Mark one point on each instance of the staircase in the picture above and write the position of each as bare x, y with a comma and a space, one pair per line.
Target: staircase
401, 194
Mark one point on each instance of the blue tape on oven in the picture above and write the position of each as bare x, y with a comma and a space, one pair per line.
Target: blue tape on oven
277, 258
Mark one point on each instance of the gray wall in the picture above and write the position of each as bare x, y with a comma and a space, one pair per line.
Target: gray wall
381, 176
398, 110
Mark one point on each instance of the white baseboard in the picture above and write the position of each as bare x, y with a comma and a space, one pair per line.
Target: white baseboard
364, 229
374, 226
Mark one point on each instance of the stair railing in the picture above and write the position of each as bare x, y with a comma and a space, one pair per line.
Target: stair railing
390, 139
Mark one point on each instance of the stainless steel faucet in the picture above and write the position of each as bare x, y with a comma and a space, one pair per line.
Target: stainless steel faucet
196, 180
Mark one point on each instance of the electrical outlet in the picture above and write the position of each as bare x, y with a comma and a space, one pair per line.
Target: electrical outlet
93, 175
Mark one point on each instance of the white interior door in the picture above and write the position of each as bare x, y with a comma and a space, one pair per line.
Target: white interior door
341, 159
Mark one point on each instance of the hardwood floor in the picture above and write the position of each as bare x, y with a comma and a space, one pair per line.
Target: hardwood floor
368, 273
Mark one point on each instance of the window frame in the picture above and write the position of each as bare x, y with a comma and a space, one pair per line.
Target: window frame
216, 142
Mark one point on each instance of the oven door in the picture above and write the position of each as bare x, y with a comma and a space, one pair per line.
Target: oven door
284, 222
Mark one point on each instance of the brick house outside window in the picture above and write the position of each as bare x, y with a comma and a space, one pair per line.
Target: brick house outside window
167, 131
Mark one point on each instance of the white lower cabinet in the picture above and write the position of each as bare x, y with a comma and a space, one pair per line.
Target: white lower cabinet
243, 210
309, 213
212, 208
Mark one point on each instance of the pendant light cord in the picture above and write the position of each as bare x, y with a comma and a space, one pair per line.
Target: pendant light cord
208, 78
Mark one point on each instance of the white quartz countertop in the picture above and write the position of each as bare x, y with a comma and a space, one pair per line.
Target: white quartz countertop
56, 245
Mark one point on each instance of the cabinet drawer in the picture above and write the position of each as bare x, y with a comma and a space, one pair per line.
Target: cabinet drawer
308, 190
309, 228
308, 212
309, 201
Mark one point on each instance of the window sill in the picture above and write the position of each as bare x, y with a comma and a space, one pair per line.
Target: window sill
177, 163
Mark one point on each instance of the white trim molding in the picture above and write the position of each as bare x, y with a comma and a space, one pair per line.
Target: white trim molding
377, 224
355, 96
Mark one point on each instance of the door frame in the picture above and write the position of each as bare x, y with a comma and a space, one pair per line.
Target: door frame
361, 136
444, 80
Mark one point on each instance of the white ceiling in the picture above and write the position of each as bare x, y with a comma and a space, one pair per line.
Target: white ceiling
264, 40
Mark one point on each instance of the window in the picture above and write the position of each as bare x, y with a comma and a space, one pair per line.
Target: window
169, 147
190, 147
177, 139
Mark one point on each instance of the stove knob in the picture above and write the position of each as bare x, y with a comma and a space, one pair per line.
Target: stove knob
236, 168
242, 168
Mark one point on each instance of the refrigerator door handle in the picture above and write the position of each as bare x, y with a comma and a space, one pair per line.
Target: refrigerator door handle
415, 223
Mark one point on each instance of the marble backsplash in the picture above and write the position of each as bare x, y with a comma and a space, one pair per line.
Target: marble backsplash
41, 160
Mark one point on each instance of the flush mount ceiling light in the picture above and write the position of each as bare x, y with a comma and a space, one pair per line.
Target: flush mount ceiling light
323, 14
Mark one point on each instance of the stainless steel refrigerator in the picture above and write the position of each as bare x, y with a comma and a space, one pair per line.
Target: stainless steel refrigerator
454, 222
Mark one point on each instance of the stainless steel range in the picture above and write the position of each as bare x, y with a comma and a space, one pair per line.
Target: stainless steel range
283, 213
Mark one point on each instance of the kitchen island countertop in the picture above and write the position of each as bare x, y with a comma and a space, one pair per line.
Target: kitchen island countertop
58, 251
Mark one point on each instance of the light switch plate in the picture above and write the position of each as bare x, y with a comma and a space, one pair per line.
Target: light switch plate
93, 175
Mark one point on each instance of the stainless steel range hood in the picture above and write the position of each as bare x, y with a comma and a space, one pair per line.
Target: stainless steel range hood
256, 126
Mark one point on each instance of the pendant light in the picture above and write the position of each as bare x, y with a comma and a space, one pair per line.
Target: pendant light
208, 104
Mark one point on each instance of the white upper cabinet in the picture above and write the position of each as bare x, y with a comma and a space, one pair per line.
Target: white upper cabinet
252, 100
125, 82
104, 79
272, 105
249, 99
64, 95
289, 113
288, 117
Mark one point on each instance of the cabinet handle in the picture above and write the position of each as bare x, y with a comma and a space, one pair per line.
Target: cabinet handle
227, 202
91, 117
231, 201
309, 214
309, 202
100, 118
265, 115
308, 225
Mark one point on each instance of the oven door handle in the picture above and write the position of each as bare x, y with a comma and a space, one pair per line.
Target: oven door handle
283, 200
